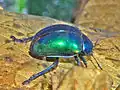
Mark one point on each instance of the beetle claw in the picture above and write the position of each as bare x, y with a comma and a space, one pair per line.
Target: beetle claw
26, 82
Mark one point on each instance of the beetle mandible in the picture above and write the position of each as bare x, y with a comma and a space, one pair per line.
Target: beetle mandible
56, 41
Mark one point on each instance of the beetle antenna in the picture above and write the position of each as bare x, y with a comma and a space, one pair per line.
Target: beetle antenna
96, 42
93, 63
97, 62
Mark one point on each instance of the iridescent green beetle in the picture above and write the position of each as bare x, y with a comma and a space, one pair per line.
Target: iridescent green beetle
58, 41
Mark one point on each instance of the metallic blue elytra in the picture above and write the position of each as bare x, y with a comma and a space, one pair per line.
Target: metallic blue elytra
56, 41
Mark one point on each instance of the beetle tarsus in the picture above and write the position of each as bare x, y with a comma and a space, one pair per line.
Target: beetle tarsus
26, 82
24, 40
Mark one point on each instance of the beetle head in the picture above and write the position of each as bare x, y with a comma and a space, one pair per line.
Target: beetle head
87, 46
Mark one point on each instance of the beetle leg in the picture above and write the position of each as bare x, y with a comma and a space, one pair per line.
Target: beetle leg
97, 62
78, 60
53, 66
84, 60
24, 40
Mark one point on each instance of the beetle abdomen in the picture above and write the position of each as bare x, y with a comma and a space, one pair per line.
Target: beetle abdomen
58, 43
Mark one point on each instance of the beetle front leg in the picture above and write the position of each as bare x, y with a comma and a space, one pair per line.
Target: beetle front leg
24, 40
51, 67
84, 60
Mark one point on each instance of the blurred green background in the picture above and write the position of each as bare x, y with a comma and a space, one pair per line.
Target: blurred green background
58, 9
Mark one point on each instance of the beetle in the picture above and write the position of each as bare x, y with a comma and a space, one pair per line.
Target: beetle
55, 41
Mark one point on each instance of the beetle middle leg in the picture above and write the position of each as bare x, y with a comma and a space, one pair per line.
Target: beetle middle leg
78, 60
51, 67
23, 40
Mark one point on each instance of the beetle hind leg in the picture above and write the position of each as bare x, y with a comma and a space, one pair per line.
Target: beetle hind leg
24, 40
51, 67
